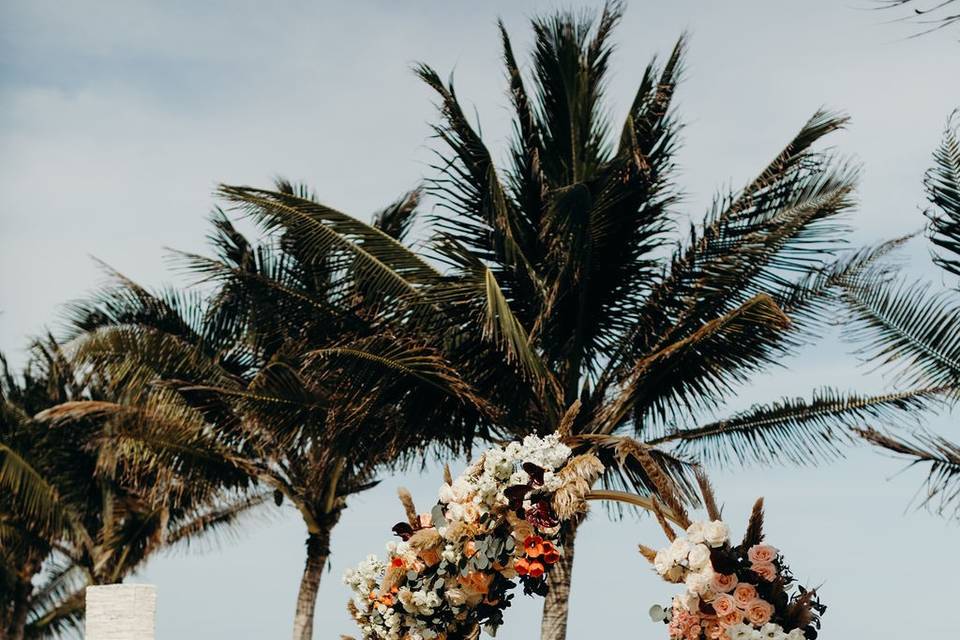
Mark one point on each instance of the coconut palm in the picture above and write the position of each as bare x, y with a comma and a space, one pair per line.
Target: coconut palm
568, 297
916, 331
76, 508
284, 366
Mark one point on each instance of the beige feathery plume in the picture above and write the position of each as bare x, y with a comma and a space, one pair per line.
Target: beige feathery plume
577, 477
648, 553
565, 427
407, 500
425, 539
447, 476
709, 499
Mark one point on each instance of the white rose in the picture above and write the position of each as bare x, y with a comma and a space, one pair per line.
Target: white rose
662, 562
716, 533
679, 550
695, 583
699, 557
461, 489
695, 532
740, 632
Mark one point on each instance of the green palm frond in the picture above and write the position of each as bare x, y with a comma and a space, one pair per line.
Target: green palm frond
689, 373
336, 239
397, 219
943, 189
943, 457
797, 430
903, 325
211, 524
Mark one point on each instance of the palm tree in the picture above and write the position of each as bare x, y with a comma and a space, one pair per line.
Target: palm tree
285, 367
917, 332
76, 508
568, 300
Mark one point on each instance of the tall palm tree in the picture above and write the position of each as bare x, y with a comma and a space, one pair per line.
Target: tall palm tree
916, 332
76, 508
284, 367
568, 262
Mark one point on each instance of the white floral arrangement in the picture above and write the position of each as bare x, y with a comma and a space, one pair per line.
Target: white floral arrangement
494, 527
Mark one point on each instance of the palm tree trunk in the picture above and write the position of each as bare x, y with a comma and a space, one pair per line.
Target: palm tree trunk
556, 606
18, 620
318, 550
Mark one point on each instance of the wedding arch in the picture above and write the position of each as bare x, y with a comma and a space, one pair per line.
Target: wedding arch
500, 526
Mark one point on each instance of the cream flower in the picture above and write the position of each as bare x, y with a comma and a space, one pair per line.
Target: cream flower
716, 533
695, 532
699, 557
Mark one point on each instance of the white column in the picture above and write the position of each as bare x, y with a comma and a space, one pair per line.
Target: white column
121, 612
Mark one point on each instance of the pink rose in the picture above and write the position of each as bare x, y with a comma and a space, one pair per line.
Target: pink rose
724, 582
731, 619
693, 633
765, 570
744, 594
762, 553
759, 611
723, 604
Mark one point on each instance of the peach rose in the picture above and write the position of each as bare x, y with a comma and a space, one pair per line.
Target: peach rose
724, 582
693, 633
744, 594
732, 618
765, 570
724, 604
759, 611
761, 553
713, 630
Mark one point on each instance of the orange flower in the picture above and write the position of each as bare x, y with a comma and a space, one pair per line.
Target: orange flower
372, 596
522, 566
476, 581
386, 599
550, 553
536, 569
533, 546
396, 562
430, 557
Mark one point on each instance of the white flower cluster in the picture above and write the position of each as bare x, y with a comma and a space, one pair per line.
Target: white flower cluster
482, 487
407, 614
769, 631
687, 560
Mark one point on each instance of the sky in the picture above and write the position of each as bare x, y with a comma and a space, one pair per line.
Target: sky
118, 119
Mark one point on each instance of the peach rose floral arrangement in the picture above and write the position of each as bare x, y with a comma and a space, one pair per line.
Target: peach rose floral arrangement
732, 591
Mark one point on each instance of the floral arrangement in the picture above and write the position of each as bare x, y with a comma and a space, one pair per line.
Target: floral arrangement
733, 592
495, 527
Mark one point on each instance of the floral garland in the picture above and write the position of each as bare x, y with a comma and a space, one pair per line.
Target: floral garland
497, 525
500, 525
740, 592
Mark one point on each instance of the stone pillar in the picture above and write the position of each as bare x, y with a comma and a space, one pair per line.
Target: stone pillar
121, 612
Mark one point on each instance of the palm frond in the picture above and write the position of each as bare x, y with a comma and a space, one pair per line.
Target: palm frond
397, 219
943, 479
943, 189
690, 372
797, 430
903, 325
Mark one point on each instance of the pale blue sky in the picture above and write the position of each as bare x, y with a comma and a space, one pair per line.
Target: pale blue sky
118, 118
